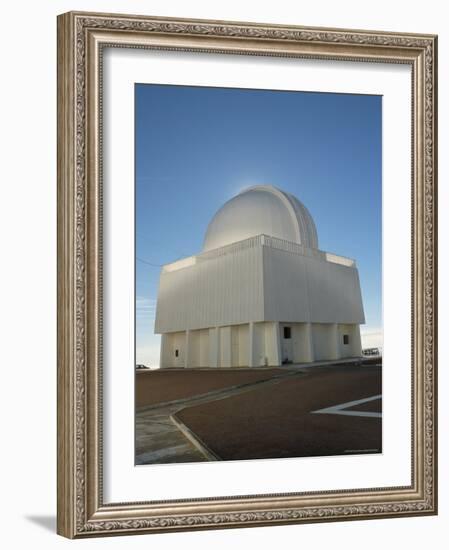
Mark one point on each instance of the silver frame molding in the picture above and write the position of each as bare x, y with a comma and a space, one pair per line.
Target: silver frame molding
81, 38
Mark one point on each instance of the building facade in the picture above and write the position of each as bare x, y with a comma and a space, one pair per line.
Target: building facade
261, 293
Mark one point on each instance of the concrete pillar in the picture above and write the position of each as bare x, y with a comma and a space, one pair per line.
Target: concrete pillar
164, 356
308, 343
333, 343
188, 350
277, 355
225, 347
356, 347
252, 351
214, 347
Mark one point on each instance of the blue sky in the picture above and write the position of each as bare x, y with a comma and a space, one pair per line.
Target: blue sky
197, 147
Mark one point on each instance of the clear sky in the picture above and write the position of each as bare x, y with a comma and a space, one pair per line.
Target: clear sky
198, 147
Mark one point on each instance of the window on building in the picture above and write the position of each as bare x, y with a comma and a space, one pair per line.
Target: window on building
345, 339
287, 333
176, 352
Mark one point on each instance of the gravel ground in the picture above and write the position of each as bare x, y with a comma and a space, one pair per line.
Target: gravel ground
159, 386
278, 420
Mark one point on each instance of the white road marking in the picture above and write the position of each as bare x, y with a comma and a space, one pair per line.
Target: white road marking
340, 409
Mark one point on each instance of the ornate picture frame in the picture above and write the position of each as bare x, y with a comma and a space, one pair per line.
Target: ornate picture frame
82, 38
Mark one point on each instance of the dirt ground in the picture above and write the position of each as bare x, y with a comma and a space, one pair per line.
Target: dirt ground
279, 420
159, 386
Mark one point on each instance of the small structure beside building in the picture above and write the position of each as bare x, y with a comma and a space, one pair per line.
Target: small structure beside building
370, 352
261, 293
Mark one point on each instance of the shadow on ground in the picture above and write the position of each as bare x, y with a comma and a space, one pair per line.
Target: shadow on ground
46, 522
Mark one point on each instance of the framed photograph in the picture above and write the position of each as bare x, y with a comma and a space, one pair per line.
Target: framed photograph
247, 248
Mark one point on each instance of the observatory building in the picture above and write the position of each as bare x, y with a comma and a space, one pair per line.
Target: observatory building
261, 293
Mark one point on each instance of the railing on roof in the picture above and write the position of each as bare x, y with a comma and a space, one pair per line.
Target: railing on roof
296, 248
260, 240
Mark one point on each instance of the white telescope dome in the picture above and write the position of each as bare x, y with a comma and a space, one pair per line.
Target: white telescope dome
261, 210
